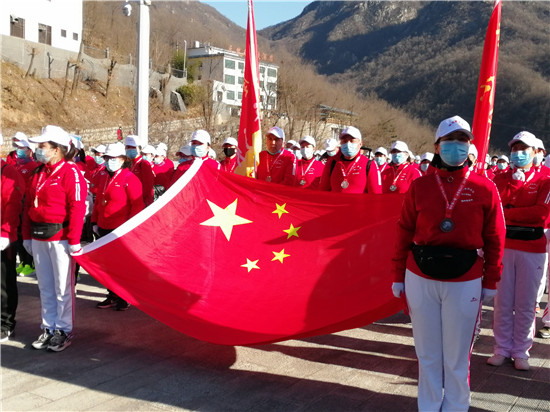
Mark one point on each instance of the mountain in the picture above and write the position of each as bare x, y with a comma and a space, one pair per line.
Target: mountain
424, 57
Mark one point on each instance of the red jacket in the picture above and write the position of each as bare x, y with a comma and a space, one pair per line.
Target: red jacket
146, 176
402, 176
229, 164
544, 170
279, 168
179, 172
26, 167
310, 172
93, 178
525, 204
12, 191
478, 217
61, 198
163, 174
355, 170
118, 198
386, 174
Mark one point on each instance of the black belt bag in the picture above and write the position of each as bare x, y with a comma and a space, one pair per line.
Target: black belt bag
441, 262
46, 230
524, 233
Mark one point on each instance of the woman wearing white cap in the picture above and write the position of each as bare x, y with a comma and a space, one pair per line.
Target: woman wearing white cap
185, 160
404, 173
142, 169
12, 157
119, 197
52, 225
386, 174
308, 170
161, 147
200, 148
163, 170
446, 216
503, 165
425, 161
229, 147
525, 195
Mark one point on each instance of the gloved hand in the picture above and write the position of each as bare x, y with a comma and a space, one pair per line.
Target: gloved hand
95, 229
4, 243
519, 175
398, 288
487, 295
27, 244
75, 249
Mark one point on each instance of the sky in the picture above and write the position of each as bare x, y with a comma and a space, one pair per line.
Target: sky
266, 12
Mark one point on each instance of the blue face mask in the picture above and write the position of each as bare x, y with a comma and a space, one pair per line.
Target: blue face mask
399, 158
349, 149
21, 153
132, 153
199, 150
146, 158
99, 160
380, 160
114, 164
502, 165
521, 158
424, 167
453, 152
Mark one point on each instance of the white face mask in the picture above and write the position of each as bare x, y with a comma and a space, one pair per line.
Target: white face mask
114, 164
537, 159
307, 152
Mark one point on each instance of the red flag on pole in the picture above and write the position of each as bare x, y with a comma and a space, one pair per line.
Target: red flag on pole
485, 99
250, 139
237, 261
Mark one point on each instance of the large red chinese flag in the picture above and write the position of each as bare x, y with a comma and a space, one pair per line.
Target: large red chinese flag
236, 261
485, 99
250, 139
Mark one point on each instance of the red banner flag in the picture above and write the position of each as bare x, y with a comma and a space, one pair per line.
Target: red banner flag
485, 99
236, 261
250, 138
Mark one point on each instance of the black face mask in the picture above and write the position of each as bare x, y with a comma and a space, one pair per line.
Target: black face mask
229, 151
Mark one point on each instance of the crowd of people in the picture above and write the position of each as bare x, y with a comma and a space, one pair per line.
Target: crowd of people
463, 237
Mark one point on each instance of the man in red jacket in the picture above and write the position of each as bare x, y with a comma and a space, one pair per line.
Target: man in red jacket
525, 195
142, 169
229, 147
276, 165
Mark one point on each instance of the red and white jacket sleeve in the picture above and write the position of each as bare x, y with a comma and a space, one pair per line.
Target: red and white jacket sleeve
13, 189
494, 237
76, 189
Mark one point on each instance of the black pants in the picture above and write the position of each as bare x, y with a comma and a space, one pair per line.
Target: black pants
10, 296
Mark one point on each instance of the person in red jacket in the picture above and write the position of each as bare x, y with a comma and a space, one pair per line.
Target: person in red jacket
119, 197
162, 169
425, 161
142, 169
200, 148
229, 147
276, 165
185, 160
538, 159
386, 174
308, 170
404, 173
12, 190
446, 216
349, 171
525, 195
11, 158
161, 147
503, 165
52, 226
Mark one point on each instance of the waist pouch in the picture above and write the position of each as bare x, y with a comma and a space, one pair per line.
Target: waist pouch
441, 262
46, 230
524, 233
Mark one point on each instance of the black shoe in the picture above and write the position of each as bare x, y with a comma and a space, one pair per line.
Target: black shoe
6, 335
43, 340
59, 341
107, 303
122, 305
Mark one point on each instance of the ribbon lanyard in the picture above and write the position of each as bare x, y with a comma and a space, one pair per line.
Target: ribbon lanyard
307, 170
273, 165
351, 168
134, 166
40, 185
399, 174
450, 206
110, 181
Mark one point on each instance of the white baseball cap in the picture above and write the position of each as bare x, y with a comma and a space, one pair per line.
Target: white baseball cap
400, 146
201, 136
185, 150
472, 150
381, 150
427, 156
115, 150
331, 144
132, 140
308, 139
230, 141
77, 141
53, 134
525, 137
20, 136
277, 132
99, 148
351, 131
453, 124
162, 145
161, 152
504, 157
25, 143
540, 144
149, 149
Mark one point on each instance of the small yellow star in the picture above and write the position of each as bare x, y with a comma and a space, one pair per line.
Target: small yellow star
280, 210
250, 264
280, 256
226, 218
292, 231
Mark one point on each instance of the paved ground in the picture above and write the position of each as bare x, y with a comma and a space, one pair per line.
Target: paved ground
127, 361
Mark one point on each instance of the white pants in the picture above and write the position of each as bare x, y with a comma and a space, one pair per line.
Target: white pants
514, 318
55, 274
443, 316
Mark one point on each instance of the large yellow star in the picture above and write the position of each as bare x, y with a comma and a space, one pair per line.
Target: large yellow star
251, 264
292, 231
225, 218
279, 256
280, 209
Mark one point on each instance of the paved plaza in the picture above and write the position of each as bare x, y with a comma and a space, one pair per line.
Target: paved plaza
127, 361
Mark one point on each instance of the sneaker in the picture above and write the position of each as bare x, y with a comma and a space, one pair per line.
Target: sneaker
5, 335
43, 340
59, 341
496, 360
107, 303
122, 305
544, 333
521, 364
27, 270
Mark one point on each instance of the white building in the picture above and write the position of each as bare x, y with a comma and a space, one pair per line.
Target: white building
226, 69
57, 23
